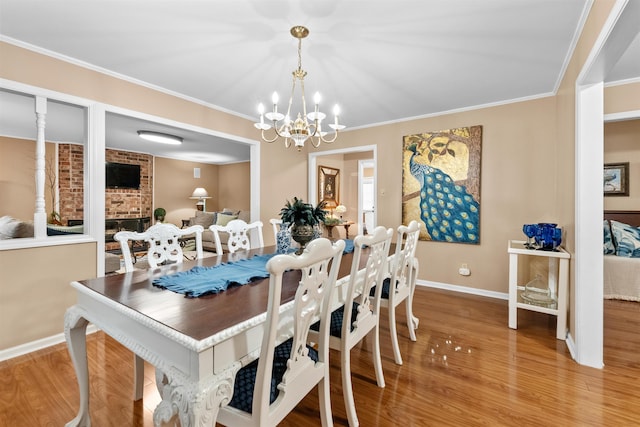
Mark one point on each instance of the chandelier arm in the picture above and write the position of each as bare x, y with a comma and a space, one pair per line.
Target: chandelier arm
278, 134
274, 139
329, 141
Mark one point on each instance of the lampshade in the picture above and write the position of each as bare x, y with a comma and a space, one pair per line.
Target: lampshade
341, 209
200, 193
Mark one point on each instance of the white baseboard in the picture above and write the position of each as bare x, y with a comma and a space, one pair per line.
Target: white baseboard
32, 346
463, 289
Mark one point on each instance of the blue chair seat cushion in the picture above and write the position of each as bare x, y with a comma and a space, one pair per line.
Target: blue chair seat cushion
385, 289
335, 329
246, 377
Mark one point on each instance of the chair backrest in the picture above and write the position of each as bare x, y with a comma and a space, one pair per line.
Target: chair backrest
238, 231
319, 265
163, 241
406, 243
360, 284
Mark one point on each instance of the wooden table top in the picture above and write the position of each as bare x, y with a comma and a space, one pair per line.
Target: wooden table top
201, 317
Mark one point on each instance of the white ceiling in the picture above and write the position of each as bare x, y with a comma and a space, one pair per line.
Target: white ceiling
381, 61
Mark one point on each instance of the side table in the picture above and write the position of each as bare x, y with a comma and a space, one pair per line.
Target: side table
558, 283
345, 224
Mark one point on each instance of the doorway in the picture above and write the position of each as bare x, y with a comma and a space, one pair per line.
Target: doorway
366, 196
350, 161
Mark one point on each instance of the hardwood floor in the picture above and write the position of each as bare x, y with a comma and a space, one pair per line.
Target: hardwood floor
467, 368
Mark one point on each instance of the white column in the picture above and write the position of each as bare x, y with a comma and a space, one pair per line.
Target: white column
40, 215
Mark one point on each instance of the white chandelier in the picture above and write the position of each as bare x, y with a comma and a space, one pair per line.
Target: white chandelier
306, 125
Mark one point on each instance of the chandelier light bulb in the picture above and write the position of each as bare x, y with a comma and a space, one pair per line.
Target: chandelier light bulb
317, 98
261, 109
275, 98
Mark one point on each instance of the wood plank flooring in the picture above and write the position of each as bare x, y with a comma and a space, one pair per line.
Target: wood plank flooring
467, 368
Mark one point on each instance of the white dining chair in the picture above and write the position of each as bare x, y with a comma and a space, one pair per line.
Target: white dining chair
163, 240
360, 315
403, 272
268, 388
239, 238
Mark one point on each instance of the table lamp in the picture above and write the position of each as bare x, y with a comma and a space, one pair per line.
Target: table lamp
201, 195
341, 209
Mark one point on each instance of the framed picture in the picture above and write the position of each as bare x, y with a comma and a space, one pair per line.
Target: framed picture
616, 179
441, 183
329, 186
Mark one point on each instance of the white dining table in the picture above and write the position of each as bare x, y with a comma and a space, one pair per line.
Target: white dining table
197, 345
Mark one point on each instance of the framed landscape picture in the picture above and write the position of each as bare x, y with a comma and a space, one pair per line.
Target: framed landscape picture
616, 179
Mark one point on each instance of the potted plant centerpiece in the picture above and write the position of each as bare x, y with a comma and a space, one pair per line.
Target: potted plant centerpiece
304, 218
159, 214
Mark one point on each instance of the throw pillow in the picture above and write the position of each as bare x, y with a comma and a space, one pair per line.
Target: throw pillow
627, 239
229, 211
7, 227
223, 219
205, 219
609, 246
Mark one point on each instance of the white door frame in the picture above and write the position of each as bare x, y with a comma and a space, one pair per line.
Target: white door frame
362, 164
618, 32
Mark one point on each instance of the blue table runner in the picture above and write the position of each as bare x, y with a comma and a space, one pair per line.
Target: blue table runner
200, 281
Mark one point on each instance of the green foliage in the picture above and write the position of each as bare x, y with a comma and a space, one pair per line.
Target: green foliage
159, 212
332, 221
300, 213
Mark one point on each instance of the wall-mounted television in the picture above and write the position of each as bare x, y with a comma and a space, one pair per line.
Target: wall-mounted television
122, 175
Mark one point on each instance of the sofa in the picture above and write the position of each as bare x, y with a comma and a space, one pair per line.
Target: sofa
206, 219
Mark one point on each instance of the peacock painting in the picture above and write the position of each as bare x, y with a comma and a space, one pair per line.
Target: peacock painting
441, 183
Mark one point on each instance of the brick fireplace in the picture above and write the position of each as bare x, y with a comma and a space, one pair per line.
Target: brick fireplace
120, 203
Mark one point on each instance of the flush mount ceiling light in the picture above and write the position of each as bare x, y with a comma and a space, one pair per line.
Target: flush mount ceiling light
163, 138
305, 126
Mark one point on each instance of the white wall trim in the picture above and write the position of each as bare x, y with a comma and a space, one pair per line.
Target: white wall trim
36, 345
118, 76
463, 289
617, 32
625, 115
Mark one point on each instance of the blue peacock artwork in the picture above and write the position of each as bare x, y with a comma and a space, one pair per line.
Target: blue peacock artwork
441, 183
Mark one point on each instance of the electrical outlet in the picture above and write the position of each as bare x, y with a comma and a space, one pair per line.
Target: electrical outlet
464, 270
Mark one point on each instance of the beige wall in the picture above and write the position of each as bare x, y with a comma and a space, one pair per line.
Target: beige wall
622, 144
35, 289
622, 98
174, 183
517, 185
234, 186
17, 177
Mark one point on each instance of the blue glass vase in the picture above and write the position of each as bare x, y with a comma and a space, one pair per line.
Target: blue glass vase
548, 236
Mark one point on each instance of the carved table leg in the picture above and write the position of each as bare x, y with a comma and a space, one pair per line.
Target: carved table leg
75, 331
196, 403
